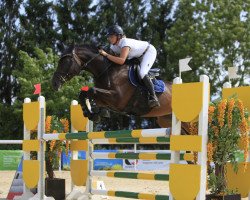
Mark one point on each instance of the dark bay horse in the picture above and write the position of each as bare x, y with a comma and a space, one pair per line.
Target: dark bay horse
112, 88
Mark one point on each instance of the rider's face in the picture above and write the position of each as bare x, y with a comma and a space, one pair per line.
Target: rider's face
112, 39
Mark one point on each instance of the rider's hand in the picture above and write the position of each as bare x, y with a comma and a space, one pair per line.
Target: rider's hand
102, 52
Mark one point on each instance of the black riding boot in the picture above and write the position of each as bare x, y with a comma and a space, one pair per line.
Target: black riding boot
153, 100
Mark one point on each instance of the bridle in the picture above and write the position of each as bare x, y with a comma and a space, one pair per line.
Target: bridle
78, 61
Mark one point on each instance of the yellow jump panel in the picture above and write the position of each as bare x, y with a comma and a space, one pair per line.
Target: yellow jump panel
187, 101
80, 145
243, 94
241, 180
184, 181
78, 121
31, 173
31, 145
79, 172
185, 143
31, 113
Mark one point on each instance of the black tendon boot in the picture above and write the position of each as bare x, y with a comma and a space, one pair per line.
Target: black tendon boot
153, 100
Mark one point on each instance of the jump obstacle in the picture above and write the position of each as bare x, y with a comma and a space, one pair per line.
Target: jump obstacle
185, 181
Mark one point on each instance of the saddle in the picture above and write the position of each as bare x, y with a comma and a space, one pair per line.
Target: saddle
137, 104
133, 74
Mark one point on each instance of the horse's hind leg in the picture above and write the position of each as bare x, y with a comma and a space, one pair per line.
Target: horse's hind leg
166, 122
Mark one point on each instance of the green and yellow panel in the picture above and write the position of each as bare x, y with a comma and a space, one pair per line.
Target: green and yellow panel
131, 175
131, 195
141, 156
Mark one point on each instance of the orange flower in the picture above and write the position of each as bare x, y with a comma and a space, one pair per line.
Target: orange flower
65, 123
193, 129
210, 152
211, 110
67, 148
215, 130
241, 107
52, 144
244, 137
230, 109
48, 124
221, 112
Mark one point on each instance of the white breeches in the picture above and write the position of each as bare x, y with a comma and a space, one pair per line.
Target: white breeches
147, 61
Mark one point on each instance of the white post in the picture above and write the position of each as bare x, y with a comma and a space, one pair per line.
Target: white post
89, 154
135, 161
203, 130
74, 154
26, 154
176, 130
41, 153
227, 85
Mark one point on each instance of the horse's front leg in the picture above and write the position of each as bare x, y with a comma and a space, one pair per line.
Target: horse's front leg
102, 98
83, 96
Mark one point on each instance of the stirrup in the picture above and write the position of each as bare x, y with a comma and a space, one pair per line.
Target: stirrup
153, 102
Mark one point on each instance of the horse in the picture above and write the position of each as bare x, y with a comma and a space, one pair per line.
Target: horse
112, 87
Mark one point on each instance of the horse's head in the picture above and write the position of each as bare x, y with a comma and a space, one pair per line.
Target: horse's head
69, 65
72, 61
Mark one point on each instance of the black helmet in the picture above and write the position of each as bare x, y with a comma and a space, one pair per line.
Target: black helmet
115, 30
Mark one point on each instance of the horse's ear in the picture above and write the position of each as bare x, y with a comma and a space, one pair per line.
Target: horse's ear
61, 47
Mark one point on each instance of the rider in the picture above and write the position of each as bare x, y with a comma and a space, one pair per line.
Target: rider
131, 48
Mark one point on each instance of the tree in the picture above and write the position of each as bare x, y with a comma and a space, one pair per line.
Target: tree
214, 34
9, 43
73, 21
37, 26
39, 69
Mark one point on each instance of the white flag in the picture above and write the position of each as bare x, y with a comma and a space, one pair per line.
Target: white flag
183, 65
232, 72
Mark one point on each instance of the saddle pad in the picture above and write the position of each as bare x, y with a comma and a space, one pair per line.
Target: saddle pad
159, 85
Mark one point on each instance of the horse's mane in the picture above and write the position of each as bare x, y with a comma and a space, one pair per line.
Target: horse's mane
93, 48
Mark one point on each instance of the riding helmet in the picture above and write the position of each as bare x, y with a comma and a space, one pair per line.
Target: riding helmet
115, 30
